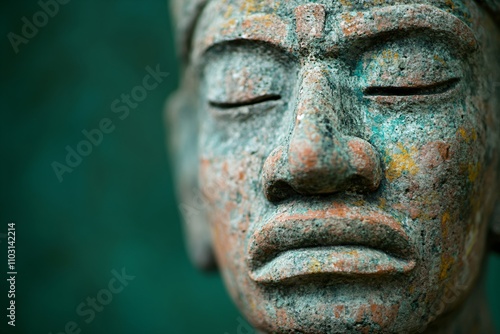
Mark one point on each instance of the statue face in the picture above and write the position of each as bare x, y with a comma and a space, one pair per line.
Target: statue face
348, 153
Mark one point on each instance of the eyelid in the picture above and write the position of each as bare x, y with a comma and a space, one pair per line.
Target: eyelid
256, 100
431, 89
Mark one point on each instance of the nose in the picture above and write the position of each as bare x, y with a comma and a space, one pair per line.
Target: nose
319, 157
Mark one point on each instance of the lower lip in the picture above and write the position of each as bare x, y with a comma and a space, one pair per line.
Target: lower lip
336, 260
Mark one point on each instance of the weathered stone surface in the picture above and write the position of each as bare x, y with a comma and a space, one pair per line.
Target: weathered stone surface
346, 155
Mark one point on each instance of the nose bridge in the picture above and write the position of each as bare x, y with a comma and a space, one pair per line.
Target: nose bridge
316, 96
316, 142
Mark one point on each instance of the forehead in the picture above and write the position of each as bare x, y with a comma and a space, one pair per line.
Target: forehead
462, 8
286, 22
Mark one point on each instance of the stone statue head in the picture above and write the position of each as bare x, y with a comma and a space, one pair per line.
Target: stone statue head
338, 161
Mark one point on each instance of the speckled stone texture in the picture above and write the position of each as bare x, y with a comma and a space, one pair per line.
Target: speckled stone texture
338, 161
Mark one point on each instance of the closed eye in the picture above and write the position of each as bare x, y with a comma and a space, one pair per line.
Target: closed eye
256, 100
436, 88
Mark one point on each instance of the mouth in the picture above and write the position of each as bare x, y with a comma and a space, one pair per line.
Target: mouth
339, 241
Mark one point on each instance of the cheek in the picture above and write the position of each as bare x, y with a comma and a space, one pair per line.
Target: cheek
222, 183
427, 179
227, 184
437, 186
230, 184
447, 198
442, 201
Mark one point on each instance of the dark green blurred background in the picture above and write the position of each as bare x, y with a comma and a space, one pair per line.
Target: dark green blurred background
117, 208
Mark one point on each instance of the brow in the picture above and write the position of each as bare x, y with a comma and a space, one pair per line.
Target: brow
353, 28
403, 19
261, 28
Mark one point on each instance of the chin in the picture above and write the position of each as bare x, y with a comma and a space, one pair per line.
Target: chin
369, 306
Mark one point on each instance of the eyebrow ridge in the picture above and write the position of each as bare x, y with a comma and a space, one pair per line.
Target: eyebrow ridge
253, 29
405, 18
354, 28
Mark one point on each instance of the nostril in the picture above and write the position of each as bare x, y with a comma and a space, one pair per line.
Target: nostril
311, 168
365, 161
278, 190
275, 175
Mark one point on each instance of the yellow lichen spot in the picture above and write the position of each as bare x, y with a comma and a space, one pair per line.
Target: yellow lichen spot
353, 253
359, 203
383, 203
474, 170
314, 265
266, 20
229, 24
446, 263
474, 135
411, 288
252, 305
251, 6
373, 3
444, 224
347, 18
346, 3
450, 4
401, 163
229, 11
463, 133
439, 59
390, 55
466, 136
471, 240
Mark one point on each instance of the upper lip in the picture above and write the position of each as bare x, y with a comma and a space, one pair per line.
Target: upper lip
340, 225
